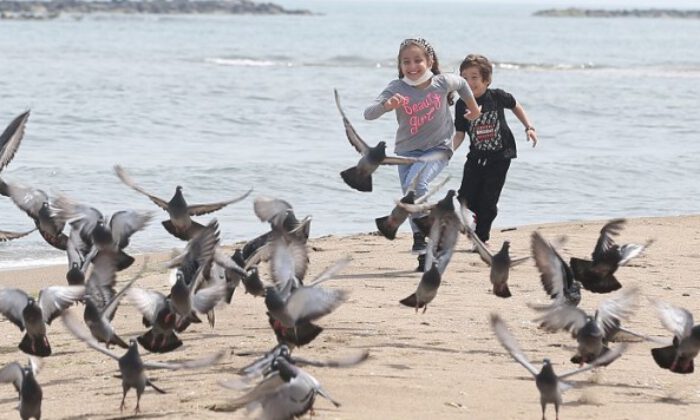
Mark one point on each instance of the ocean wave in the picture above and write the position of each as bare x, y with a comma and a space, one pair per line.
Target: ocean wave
244, 62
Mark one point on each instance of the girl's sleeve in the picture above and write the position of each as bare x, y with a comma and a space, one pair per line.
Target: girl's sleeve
457, 83
376, 109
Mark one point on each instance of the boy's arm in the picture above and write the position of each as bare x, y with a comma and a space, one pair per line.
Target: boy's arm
520, 113
457, 140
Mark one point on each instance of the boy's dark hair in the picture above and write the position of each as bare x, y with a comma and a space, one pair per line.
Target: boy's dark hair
479, 61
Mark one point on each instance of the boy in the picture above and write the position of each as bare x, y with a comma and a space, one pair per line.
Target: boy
492, 145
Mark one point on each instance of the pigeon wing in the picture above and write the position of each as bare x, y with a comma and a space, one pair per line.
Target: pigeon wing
12, 303
148, 302
509, 343
612, 311
12, 373
354, 138
200, 209
677, 320
55, 299
74, 326
605, 240
126, 179
553, 270
125, 223
605, 359
8, 236
11, 138
310, 303
562, 316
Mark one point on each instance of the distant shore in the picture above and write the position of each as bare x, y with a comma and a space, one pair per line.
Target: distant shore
609, 13
41, 10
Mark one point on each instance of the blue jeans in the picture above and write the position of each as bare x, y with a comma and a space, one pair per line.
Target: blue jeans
407, 174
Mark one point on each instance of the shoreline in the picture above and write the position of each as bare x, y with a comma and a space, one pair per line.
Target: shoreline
444, 364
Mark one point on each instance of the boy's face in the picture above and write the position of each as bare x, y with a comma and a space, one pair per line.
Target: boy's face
473, 77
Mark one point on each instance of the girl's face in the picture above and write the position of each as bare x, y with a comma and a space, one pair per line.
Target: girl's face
413, 62
473, 77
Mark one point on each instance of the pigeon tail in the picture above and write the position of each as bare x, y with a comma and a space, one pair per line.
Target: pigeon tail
301, 335
355, 180
158, 343
502, 290
387, 227
117, 341
124, 260
149, 383
667, 358
186, 235
412, 302
38, 347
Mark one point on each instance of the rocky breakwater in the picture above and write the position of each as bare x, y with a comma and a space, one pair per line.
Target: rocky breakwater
610, 13
54, 8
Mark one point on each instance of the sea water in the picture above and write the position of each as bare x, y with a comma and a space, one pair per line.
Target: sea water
222, 104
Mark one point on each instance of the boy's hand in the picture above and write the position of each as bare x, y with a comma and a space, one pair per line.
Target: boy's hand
394, 102
532, 136
471, 116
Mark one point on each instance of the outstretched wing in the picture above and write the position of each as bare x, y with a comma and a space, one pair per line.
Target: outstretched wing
126, 179
612, 311
605, 240
55, 299
603, 360
8, 236
554, 273
352, 135
509, 343
74, 327
677, 320
11, 138
200, 209
560, 316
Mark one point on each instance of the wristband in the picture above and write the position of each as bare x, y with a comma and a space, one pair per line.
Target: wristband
530, 128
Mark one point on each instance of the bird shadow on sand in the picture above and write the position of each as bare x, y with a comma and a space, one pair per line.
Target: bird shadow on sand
394, 345
380, 275
9, 400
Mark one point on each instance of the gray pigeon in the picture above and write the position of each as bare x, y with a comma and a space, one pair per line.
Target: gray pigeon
37, 205
33, 315
549, 384
598, 274
359, 176
24, 380
159, 316
11, 138
180, 223
286, 392
591, 332
679, 356
131, 366
426, 290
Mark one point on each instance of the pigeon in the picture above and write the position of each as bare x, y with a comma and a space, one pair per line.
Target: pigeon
549, 384
103, 235
389, 225
597, 275
592, 332
292, 305
37, 205
24, 380
180, 223
286, 392
6, 235
159, 316
359, 176
263, 365
11, 138
679, 356
445, 227
33, 315
131, 366
556, 276
427, 289
101, 300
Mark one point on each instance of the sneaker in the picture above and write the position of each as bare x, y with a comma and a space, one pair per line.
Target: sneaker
419, 244
421, 263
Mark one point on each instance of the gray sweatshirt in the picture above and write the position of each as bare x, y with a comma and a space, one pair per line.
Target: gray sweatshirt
425, 120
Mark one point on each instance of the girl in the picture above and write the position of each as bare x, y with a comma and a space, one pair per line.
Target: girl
421, 97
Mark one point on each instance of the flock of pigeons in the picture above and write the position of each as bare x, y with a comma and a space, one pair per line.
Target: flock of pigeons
204, 275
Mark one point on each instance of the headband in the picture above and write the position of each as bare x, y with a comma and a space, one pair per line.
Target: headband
421, 42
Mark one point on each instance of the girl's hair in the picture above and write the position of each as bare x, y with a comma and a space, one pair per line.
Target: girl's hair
480, 62
429, 54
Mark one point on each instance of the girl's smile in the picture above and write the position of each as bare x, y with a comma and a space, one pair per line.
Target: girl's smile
414, 62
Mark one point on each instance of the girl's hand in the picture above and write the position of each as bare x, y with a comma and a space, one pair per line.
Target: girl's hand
471, 116
394, 102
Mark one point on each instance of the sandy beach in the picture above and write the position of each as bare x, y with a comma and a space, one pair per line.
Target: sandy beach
443, 364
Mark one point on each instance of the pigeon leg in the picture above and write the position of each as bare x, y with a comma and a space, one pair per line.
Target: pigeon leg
123, 404
137, 410
544, 408
425, 308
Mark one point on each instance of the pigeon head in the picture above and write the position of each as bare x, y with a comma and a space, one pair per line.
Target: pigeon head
378, 152
446, 203
45, 210
273, 300
101, 235
75, 276
286, 370
409, 198
695, 332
